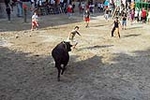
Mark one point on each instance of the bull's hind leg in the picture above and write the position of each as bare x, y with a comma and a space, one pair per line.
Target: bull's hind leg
63, 70
64, 65
58, 77
59, 70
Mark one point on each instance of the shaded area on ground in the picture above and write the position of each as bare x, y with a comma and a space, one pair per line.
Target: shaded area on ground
24, 76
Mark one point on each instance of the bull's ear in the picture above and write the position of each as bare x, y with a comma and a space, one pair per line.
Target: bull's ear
71, 45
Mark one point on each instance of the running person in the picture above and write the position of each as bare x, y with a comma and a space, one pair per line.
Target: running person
87, 17
72, 35
116, 27
34, 21
106, 15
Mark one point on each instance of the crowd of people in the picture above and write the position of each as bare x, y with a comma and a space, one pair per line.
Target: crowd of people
122, 14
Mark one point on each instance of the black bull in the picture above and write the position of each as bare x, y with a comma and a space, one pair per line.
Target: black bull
61, 56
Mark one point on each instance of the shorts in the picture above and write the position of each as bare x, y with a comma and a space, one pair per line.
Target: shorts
87, 19
34, 23
106, 16
124, 23
136, 17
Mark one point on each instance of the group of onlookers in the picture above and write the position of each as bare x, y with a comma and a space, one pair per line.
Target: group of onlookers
99, 7
139, 15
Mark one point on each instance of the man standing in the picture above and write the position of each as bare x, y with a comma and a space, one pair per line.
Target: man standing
8, 11
8, 8
7, 2
19, 8
144, 15
87, 17
116, 24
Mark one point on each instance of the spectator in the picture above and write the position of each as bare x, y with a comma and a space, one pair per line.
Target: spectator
99, 7
124, 21
19, 8
132, 13
73, 7
136, 15
148, 17
7, 2
82, 7
69, 11
140, 15
106, 15
8, 10
144, 15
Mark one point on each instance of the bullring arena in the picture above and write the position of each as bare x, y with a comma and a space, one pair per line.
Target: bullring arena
100, 68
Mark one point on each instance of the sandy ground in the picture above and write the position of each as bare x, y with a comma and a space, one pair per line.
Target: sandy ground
100, 68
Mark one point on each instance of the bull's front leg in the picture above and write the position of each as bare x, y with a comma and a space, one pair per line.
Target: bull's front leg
58, 77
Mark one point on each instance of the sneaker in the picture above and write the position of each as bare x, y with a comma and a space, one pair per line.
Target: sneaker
86, 26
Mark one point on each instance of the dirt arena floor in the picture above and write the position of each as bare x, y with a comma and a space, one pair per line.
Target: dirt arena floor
100, 68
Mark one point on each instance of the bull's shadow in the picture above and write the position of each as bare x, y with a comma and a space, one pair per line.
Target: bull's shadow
24, 76
76, 69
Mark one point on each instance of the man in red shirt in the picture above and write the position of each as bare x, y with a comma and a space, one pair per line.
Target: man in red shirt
144, 15
69, 11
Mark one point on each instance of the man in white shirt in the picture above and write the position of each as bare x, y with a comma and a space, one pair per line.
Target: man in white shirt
34, 21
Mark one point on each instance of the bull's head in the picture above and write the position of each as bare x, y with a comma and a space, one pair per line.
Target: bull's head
67, 45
